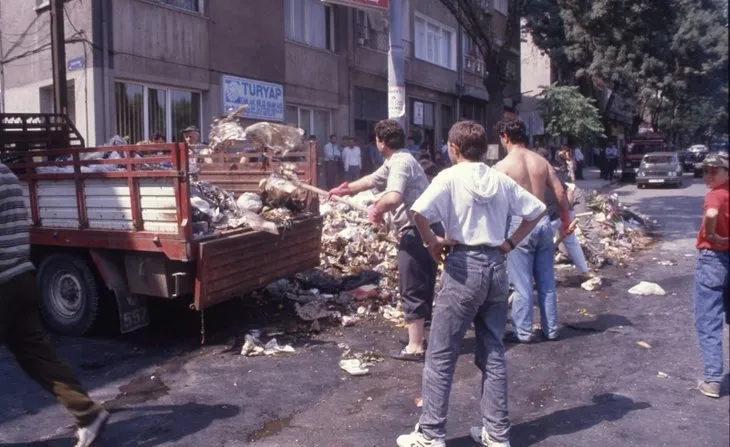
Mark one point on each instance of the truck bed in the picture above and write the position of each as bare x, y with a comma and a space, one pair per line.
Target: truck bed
143, 205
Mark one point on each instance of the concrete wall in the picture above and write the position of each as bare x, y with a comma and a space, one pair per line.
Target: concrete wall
535, 74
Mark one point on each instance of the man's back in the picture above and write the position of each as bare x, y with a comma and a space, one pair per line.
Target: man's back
528, 169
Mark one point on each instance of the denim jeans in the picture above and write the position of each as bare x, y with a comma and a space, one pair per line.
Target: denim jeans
534, 256
474, 289
572, 246
711, 285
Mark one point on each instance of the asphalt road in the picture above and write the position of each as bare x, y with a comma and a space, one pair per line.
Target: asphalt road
596, 386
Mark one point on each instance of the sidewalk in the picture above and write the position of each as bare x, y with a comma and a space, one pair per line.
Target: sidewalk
593, 180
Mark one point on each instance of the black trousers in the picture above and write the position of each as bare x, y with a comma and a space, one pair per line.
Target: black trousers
21, 329
416, 274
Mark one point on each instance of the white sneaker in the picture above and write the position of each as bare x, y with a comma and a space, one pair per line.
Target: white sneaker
87, 435
418, 439
481, 437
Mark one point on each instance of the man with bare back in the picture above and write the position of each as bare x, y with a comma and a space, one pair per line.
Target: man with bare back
534, 255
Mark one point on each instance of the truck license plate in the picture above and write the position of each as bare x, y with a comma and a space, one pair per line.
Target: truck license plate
656, 180
133, 312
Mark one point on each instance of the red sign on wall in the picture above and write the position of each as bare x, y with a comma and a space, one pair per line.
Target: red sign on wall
380, 5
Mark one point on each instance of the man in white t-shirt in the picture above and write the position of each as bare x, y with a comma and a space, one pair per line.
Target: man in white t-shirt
351, 160
332, 161
473, 201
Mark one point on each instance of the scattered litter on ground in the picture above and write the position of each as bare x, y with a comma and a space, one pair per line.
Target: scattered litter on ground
584, 312
357, 363
253, 347
647, 288
354, 367
662, 375
592, 284
419, 402
667, 263
643, 344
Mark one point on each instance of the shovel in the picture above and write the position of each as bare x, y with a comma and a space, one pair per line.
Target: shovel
324, 193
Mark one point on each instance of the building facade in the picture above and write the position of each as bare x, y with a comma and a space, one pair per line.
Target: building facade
140, 67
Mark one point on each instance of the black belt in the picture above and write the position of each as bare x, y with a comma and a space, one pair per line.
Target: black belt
481, 247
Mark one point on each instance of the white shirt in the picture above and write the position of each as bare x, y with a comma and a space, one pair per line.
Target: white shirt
331, 152
473, 202
611, 152
578, 154
351, 157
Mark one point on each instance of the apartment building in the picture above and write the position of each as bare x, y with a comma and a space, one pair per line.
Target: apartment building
138, 67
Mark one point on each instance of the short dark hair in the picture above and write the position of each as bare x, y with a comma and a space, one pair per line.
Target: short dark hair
470, 138
312, 138
333, 136
390, 133
513, 127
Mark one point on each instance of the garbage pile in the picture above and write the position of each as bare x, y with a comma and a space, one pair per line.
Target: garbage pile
613, 232
351, 244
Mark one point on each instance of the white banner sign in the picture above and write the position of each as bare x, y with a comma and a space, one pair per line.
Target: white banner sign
265, 100
418, 113
396, 102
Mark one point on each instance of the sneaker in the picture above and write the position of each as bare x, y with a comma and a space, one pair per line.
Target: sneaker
710, 389
481, 437
418, 439
87, 435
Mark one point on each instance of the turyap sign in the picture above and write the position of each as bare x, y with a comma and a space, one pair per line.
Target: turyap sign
265, 100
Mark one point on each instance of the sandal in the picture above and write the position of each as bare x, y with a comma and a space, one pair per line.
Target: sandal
408, 356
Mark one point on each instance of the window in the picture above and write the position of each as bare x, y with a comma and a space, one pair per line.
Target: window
435, 43
313, 121
473, 58
145, 110
310, 22
501, 6
189, 5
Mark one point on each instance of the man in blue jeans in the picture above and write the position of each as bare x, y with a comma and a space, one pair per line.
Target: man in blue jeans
535, 255
472, 201
711, 277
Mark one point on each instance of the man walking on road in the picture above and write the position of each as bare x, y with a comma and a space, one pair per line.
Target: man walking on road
473, 201
20, 325
612, 154
402, 180
351, 160
535, 255
711, 276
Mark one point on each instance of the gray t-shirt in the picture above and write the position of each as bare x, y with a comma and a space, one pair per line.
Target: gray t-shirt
401, 173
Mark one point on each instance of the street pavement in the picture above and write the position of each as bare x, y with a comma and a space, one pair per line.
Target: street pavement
596, 386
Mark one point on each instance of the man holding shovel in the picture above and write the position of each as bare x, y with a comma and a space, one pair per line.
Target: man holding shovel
402, 180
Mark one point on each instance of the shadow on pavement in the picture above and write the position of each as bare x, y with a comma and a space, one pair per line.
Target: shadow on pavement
605, 407
157, 425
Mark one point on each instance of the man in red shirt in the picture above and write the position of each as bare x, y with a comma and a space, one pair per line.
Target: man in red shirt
711, 276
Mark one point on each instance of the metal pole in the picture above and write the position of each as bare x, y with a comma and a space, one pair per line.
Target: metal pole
396, 64
58, 50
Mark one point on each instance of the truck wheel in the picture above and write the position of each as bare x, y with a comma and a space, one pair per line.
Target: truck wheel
69, 296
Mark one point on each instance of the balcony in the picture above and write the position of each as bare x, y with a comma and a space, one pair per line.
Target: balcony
474, 65
380, 41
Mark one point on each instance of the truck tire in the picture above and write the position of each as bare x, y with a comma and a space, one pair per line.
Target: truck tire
69, 294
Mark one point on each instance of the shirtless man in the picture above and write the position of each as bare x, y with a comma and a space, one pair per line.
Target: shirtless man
534, 255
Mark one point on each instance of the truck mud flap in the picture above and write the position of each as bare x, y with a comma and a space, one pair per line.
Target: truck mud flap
233, 265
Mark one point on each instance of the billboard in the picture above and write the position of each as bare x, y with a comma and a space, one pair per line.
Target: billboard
265, 100
380, 5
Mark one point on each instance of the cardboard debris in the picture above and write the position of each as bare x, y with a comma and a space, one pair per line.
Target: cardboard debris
253, 347
647, 288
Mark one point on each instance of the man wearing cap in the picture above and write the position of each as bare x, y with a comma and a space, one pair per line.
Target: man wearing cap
191, 134
711, 274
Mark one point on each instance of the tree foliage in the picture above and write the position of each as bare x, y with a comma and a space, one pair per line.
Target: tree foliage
567, 113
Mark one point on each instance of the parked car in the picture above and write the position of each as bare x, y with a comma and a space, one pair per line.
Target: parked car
659, 168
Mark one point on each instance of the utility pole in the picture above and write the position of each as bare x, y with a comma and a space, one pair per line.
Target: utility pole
396, 64
58, 51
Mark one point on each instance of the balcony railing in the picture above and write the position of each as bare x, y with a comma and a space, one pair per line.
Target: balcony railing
380, 41
474, 65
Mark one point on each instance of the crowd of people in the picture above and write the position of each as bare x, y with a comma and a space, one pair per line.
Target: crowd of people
489, 226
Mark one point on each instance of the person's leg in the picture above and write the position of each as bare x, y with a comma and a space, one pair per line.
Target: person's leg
519, 269
462, 294
544, 272
416, 279
711, 280
355, 173
489, 357
29, 343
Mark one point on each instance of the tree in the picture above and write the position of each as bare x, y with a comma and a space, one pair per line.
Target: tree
475, 16
567, 113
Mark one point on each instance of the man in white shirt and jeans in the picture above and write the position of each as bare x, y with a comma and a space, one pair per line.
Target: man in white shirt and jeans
579, 158
332, 161
351, 160
473, 201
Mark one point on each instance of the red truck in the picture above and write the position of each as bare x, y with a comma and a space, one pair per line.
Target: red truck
643, 144
129, 230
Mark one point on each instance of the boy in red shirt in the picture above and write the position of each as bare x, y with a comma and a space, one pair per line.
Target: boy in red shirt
711, 276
